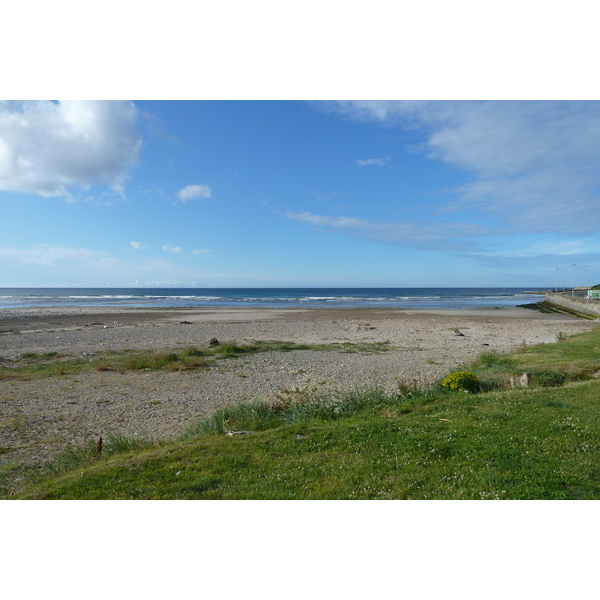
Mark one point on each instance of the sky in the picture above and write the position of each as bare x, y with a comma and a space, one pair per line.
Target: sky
287, 193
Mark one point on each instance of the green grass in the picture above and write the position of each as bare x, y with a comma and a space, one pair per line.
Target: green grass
533, 443
571, 359
52, 364
526, 445
33, 366
578, 355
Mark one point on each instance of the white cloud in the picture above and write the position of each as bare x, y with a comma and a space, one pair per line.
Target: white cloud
579, 247
136, 245
435, 236
49, 264
201, 251
191, 192
48, 255
535, 165
47, 148
171, 249
378, 162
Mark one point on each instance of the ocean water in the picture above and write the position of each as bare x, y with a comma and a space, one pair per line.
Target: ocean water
459, 298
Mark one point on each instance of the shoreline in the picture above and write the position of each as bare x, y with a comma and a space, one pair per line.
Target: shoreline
39, 417
264, 312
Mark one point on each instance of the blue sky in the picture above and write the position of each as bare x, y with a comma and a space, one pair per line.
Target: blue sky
299, 193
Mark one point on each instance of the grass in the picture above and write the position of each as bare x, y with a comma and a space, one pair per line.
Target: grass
577, 357
32, 365
571, 359
539, 442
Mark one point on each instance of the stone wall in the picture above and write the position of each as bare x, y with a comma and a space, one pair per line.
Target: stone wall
574, 302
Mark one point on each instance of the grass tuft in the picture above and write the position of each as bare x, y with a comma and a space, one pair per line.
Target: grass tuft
294, 408
493, 362
52, 364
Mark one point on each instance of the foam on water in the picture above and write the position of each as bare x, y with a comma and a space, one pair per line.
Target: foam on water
459, 298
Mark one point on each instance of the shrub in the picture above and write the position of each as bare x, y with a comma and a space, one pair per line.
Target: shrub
461, 381
549, 378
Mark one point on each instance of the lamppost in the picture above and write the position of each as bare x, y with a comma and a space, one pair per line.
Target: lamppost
572, 280
556, 286
564, 277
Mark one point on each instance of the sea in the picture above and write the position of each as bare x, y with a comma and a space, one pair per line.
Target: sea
415, 298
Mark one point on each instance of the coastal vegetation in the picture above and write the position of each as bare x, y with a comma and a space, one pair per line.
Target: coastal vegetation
32, 365
490, 441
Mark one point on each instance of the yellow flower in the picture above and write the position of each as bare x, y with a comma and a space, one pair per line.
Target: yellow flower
461, 381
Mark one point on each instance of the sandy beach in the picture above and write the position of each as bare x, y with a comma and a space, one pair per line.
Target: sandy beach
39, 417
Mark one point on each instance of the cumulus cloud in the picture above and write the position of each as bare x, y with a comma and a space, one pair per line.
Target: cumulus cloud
171, 249
533, 164
191, 192
435, 236
47, 148
136, 245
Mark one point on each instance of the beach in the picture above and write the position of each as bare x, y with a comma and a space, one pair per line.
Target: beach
40, 417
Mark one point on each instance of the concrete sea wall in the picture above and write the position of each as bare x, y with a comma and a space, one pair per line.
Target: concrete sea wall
579, 303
